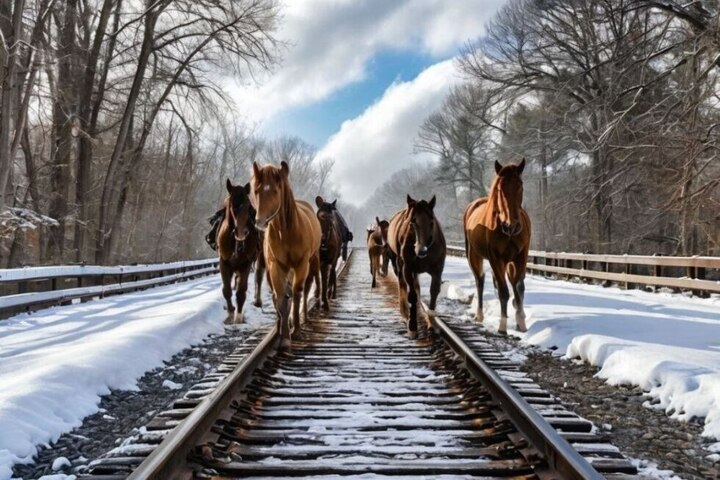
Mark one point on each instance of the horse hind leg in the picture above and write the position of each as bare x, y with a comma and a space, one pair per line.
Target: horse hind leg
333, 281
325, 274
412, 301
373, 269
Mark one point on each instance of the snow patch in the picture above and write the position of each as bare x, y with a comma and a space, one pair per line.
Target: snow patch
172, 385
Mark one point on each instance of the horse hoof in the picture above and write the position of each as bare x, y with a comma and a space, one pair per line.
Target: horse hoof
326, 307
239, 317
502, 332
479, 317
258, 303
413, 334
285, 344
431, 312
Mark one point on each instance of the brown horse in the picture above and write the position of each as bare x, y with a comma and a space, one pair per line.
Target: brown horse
292, 242
377, 243
497, 228
418, 246
331, 245
239, 248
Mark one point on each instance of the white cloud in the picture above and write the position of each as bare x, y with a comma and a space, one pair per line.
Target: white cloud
332, 41
379, 142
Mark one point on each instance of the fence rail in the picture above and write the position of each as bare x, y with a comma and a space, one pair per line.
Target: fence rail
32, 288
680, 273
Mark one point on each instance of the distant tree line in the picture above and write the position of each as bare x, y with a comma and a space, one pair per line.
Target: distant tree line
615, 105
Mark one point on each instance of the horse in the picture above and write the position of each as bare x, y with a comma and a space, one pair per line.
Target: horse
346, 235
377, 243
292, 243
498, 229
239, 248
331, 244
417, 244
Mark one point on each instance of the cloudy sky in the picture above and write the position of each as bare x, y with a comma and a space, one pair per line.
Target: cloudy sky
358, 78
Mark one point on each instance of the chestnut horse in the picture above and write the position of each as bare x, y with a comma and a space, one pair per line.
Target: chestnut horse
292, 242
497, 228
331, 245
239, 248
377, 243
418, 246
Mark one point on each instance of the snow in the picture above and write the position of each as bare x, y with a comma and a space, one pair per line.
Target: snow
172, 385
56, 363
667, 344
60, 463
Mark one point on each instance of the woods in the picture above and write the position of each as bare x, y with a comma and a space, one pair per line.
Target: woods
613, 103
113, 113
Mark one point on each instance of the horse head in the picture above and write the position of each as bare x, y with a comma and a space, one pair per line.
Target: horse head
381, 231
268, 189
326, 217
422, 223
507, 191
239, 211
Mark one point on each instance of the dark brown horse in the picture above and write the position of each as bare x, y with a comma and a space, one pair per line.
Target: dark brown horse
497, 228
377, 244
239, 248
418, 246
331, 244
292, 242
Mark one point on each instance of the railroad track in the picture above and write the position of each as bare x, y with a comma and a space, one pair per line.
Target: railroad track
356, 398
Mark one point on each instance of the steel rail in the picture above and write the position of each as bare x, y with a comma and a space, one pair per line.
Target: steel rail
171, 455
559, 455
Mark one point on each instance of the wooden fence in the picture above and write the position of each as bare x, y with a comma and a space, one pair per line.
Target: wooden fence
32, 288
698, 275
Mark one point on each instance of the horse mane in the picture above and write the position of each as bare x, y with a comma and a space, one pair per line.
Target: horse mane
288, 206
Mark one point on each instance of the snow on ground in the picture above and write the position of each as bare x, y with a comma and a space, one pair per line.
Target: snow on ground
56, 363
668, 344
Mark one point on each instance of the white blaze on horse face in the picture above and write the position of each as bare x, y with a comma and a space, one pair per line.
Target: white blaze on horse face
266, 188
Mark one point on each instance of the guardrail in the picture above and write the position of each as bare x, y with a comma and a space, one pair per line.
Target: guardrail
628, 271
33, 288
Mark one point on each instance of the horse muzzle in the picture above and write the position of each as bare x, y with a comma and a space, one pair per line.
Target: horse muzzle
422, 252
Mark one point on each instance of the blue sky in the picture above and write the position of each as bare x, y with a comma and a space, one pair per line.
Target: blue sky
358, 78
315, 123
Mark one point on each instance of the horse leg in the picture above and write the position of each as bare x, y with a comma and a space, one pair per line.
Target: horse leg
503, 293
281, 297
241, 293
435, 289
226, 274
402, 293
333, 280
259, 271
344, 251
477, 267
298, 288
325, 274
385, 262
412, 299
517, 281
373, 269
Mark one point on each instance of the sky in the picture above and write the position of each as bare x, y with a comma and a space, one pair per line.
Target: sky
358, 77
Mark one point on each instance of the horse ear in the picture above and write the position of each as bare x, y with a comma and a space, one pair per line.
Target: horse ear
521, 165
256, 169
431, 203
284, 168
410, 200
334, 204
229, 185
498, 167
377, 221
319, 201
247, 188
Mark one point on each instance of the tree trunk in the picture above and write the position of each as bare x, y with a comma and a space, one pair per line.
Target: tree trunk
64, 112
111, 190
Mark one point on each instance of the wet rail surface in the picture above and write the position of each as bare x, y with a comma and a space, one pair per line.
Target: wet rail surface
355, 397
